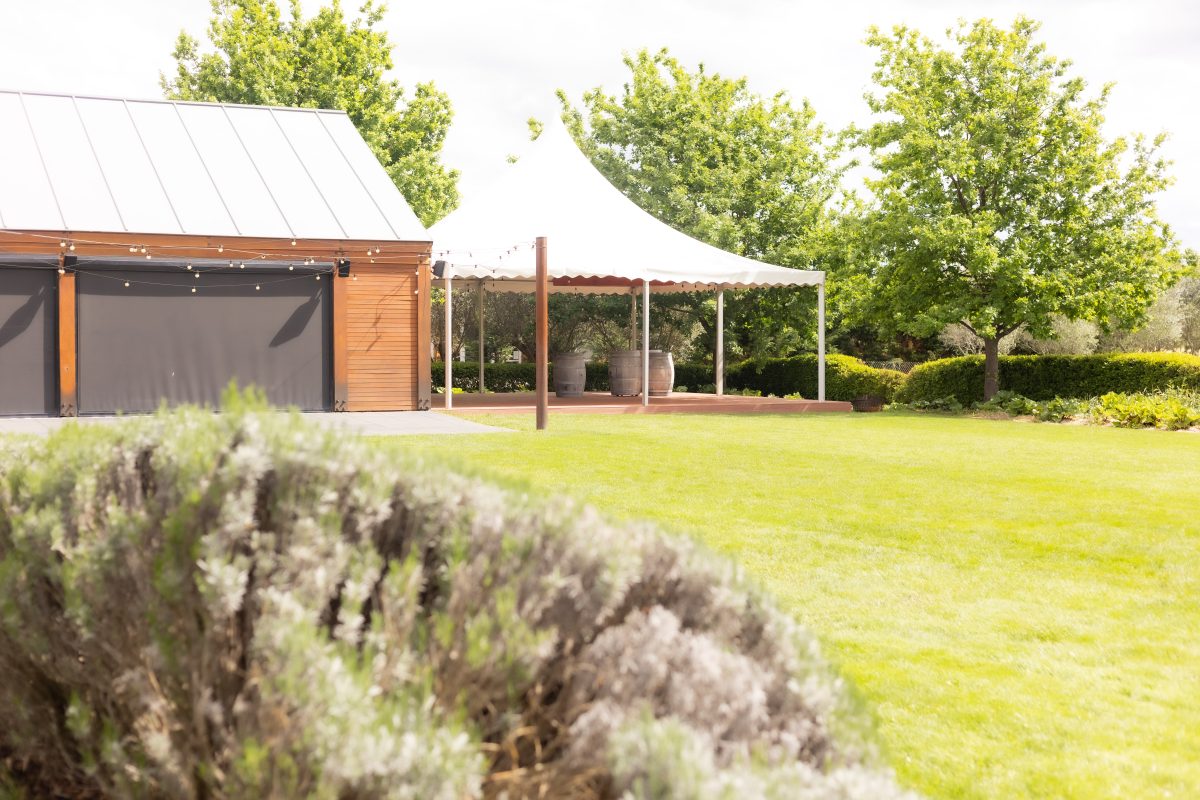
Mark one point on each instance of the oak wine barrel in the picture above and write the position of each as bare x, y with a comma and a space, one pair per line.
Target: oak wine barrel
570, 374
625, 373
662, 373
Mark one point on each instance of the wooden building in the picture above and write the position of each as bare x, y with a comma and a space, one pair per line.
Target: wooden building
153, 251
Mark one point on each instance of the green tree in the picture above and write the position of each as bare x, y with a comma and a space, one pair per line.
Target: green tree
999, 203
259, 57
749, 174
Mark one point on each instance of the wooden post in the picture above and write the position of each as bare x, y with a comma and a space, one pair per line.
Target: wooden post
448, 343
645, 342
633, 319
719, 353
542, 335
341, 372
482, 294
424, 338
68, 397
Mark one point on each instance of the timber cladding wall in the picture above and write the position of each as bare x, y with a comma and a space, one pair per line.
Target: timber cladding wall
373, 347
382, 345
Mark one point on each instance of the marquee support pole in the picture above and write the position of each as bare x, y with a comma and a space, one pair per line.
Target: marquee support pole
542, 334
821, 340
719, 353
448, 344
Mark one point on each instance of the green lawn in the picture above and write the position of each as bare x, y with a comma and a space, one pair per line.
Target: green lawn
1018, 603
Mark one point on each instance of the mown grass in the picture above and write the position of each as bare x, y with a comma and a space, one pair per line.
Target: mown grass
1019, 604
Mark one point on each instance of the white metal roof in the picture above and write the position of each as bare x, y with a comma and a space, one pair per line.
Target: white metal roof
592, 230
98, 164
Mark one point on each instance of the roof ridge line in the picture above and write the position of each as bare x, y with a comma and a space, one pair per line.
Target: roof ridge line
167, 101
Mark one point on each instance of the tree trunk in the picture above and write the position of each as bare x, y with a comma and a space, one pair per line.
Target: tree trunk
991, 367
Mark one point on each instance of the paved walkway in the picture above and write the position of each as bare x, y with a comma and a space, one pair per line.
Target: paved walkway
376, 423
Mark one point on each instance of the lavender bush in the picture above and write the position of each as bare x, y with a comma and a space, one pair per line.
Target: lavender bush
244, 605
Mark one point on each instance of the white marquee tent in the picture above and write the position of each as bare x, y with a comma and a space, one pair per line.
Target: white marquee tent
597, 241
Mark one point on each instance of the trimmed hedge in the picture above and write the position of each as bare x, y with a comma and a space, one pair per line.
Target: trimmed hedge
694, 376
1050, 376
508, 377
503, 377
845, 377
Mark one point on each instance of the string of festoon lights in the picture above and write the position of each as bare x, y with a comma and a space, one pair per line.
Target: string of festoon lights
237, 256
500, 252
67, 244
196, 267
79, 268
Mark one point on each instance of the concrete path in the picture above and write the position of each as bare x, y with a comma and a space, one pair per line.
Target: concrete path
388, 423
373, 423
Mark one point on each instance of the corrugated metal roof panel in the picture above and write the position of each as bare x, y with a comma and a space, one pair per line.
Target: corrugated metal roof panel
188, 184
332, 174
21, 166
160, 167
376, 181
126, 167
237, 179
285, 175
75, 174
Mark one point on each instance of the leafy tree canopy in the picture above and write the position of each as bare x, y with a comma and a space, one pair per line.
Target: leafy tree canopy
753, 175
999, 203
260, 57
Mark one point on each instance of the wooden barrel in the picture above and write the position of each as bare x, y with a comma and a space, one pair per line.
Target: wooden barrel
662, 374
625, 373
867, 402
570, 374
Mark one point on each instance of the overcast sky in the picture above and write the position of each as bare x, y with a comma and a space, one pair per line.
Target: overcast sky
500, 62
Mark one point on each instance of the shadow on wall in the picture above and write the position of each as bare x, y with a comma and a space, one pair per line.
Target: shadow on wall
297, 321
20, 320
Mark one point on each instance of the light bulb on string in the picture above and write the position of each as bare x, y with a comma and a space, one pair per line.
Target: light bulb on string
376, 251
126, 284
231, 265
71, 247
143, 248
193, 290
62, 271
196, 275
318, 277
148, 256
132, 248
62, 244
257, 288
242, 265
220, 248
291, 267
293, 242
189, 267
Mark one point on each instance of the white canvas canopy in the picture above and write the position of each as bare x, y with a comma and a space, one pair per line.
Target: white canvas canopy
595, 232
597, 241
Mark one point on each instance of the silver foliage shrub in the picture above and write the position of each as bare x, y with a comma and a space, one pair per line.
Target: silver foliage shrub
244, 605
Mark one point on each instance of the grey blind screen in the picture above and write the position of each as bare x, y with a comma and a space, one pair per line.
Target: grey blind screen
144, 344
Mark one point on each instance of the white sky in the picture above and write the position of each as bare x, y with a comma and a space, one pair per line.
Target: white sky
501, 61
